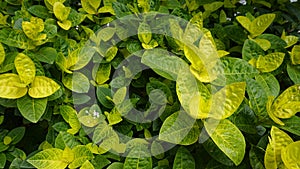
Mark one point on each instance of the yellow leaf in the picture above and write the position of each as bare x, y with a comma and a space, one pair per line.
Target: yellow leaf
42, 87
25, 68
11, 86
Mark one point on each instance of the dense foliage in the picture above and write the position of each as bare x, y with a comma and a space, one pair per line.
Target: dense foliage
149, 84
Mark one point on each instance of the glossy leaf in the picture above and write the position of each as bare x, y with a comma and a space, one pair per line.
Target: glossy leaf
260, 24
2, 54
179, 128
183, 159
251, 50
245, 22
48, 159
269, 83
42, 87
227, 100
77, 82
291, 155
81, 155
269, 62
11, 86
295, 55
228, 138
60, 11
25, 68
287, 103
31, 108
90, 6
234, 70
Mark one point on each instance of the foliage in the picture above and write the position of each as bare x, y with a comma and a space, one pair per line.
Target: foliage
149, 84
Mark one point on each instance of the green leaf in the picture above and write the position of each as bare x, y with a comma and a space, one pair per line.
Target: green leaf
60, 11
11, 87
269, 83
162, 63
103, 94
32, 109
87, 165
2, 54
227, 100
144, 33
115, 165
77, 82
256, 157
258, 98
15, 38
48, 159
16, 135
65, 139
90, 6
234, 70
291, 125
39, 11
263, 43
183, 159
70, 116
46, 55
294, 73
139, 157
295, 55
105, 134
260, 24
251, 50
103, 73
287, 103
2, 160
270, 62
42, 87
291, 155
179, 128
114, 117
81, 154
120, 95
25, 68
228, 138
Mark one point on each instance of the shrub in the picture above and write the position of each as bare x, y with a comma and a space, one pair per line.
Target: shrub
149, 84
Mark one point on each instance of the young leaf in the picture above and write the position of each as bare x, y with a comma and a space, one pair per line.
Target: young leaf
103, 73
25, 68
60, 11
32, 109
295, 55
245, 22
270, 62
179, 128
87, 165
11, 86
66, 24
48, 159
228, 138
287, 103
77, 82
81, 155
42, 87
260, 24
291, 154
2, 54
183, 159
227, 100
70, 116
90, 6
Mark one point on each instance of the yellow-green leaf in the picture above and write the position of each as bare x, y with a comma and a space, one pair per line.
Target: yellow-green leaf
77, 82
263, 43
25, 68
245, 22
66, 24
11, 86
87, 165
228, 138
81, 154
90, 6
270, 62
42, 87
70, 116
68, 155
287, 103
291, 155
103, 73
269, 159
60, 11
227, 100
2, 54
270, 111
144, 33
295, 55
48, 159
260, 24
290, 40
